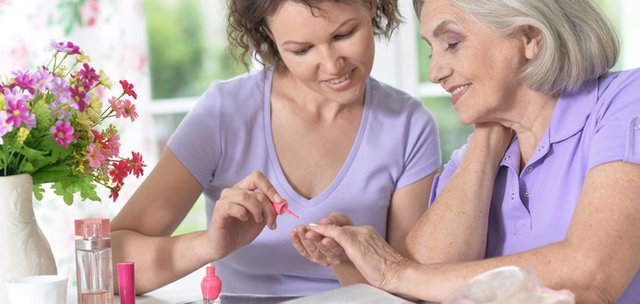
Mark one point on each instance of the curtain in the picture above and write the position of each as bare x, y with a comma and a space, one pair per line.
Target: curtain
113, 34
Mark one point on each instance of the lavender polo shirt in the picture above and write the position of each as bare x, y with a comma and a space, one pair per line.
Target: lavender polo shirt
228, 135
599, 123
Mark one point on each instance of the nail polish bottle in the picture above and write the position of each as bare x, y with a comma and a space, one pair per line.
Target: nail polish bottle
211, 287
93, 261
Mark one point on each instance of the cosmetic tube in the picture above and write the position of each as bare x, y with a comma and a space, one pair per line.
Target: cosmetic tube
126, 283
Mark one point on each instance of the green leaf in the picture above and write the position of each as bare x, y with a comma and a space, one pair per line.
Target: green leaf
38, 191
65, 192
51, 174
88, 191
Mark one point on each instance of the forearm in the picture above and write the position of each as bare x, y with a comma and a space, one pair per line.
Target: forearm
160, 260
455, 226
557, 266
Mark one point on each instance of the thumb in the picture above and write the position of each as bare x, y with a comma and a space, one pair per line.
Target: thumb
332, 231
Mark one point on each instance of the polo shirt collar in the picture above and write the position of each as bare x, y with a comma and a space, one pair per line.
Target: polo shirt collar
572, 110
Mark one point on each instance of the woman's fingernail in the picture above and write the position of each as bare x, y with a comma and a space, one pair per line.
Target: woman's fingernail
277, 198
313, 224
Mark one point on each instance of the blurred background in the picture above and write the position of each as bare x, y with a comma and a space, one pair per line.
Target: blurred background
172, 50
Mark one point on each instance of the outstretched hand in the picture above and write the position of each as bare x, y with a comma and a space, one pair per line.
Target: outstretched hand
376, 260
317, 248
241, 213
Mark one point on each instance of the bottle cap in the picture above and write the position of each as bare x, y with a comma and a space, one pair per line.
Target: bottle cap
92, 228
282, 207
126, 283
211, 284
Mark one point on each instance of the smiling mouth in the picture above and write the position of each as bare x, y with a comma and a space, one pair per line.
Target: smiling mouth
341, 79
459, 89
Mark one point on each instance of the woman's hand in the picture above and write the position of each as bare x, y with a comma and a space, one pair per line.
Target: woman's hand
317, 248
493, 138
376, 260
241, 213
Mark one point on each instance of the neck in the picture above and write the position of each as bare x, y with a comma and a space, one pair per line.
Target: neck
530, 120
305, 100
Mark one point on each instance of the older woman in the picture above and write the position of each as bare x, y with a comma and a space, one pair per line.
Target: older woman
550, 178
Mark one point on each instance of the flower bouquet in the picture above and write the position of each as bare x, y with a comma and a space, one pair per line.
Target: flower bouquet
51, 127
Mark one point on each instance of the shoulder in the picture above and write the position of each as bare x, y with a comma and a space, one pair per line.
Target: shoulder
240, 92
619, 97
619, 89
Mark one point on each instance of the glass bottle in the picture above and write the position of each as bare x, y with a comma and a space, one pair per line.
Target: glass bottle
211, 286
93, 261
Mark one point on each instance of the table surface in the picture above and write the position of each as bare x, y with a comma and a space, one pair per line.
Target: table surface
187, 290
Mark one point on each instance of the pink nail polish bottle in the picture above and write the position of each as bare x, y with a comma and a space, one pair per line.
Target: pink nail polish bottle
211, 287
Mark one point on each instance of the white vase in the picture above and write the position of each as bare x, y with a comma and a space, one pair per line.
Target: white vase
24, 250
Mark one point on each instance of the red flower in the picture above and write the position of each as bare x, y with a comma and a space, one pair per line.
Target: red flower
137, 164
128, 89
120, 171
115, 192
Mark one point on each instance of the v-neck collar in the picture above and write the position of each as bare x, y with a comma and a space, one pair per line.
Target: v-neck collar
289, 193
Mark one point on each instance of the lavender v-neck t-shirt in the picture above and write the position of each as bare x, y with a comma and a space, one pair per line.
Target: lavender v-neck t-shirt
597, 124
228, 135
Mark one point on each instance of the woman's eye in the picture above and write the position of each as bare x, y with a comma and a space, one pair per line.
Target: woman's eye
343, 36
301, 51
452, 46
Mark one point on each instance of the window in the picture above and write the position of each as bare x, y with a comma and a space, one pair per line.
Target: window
404, 63
187, 51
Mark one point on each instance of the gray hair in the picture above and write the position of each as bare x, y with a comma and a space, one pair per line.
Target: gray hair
579, 42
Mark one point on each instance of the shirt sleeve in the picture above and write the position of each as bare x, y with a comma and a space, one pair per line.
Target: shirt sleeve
422, 152
196, 141
617, 133
449, 168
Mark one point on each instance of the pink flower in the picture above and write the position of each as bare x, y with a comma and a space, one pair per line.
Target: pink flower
63, 133
79, 97
129, 110
24, 80
5, 127
42, 79
18, 112
69, 47
113, 145
88, 76
96, 159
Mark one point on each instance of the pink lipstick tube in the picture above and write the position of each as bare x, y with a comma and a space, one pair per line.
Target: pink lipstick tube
126, 283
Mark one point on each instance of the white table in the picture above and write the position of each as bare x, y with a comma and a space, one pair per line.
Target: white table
187, 290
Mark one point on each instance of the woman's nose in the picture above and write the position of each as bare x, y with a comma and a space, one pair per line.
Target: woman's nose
332, 61
439, 69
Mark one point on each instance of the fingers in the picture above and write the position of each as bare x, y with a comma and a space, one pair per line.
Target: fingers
258, 181
316, 248
307, 248
241, 204
335, 232
337, 218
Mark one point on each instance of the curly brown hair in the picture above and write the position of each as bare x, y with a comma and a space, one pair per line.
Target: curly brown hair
247, 26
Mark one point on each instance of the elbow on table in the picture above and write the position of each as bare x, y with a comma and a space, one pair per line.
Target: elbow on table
594, 281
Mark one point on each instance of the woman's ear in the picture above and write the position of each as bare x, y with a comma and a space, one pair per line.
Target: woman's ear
532, 38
